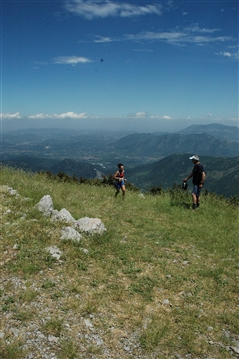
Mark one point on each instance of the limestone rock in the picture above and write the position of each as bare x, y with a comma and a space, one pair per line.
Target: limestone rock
62, 216
45, 205
70, 233
90, 225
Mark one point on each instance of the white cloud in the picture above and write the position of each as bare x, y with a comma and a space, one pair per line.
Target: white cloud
233, 55
209, 115
180, 37
103, 39
70, 60
104, 8
140, 114
72, 115
144, 114
10, 116
164, 117
38, 116
142, 50
196, 28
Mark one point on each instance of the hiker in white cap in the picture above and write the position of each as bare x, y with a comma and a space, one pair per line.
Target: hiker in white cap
198, 176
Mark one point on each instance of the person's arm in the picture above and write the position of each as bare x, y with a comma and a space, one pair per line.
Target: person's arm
202, 179
116, 175
187, 178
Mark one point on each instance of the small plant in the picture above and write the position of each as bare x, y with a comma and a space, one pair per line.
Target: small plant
28, 295
53, 326
143, 286
48, 284
154, 335
68, 349
12, 350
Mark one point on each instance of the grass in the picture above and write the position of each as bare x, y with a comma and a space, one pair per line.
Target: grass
162, 275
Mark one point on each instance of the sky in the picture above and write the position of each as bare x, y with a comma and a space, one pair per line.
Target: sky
120, 64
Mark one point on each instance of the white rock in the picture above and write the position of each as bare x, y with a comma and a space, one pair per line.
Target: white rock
62, 216
52, 338
166, 302
90, 225
54, 251
141, 195
70, 233
45, 205
88, 323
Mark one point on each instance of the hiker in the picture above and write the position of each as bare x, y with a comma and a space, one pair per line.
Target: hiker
120, 180
199, 176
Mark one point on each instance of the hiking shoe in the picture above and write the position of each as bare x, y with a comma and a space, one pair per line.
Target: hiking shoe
194, 207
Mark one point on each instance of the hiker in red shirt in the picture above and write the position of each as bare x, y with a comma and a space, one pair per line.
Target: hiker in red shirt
120, 180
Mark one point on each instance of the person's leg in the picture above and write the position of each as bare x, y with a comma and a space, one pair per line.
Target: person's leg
123, 190
198, 201
194, 196
198, 196
117, 186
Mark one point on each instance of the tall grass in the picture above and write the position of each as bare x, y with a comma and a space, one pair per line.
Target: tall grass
161, 272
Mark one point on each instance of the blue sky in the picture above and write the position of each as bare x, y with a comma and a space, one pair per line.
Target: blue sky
159, 65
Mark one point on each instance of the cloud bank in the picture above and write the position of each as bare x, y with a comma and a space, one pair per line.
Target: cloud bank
101, 9
70, 114
70, 60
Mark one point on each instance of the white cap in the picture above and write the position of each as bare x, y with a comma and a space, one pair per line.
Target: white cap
194, 157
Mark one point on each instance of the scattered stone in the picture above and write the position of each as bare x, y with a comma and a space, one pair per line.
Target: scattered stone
69, 233
209, 329
84, 250
13, 192
166, 302
127, 349
15, 332
54, 251
88, 323
235, 349
90, 225
141, 195
62, 216
45, 205
53, 339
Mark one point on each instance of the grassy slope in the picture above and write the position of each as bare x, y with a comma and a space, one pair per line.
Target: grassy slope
155, 249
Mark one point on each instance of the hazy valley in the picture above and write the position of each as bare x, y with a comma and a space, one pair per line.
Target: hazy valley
150, 159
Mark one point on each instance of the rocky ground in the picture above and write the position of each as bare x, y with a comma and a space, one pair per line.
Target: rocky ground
40, 318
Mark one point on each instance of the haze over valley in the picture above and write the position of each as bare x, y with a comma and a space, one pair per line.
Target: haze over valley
150, 159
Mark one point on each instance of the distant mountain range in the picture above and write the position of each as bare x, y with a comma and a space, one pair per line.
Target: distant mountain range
158, 159
152, 145
228, 133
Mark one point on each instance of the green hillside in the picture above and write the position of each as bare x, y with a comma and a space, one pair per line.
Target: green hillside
222, 173
161, 282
